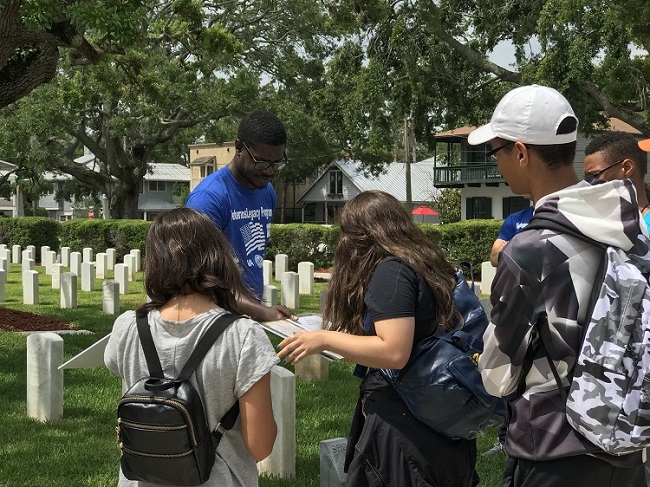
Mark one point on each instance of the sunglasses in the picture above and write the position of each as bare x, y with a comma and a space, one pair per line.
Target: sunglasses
492, 155
263, 165
596, 174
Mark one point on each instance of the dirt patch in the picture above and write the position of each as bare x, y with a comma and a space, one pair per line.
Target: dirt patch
13, 320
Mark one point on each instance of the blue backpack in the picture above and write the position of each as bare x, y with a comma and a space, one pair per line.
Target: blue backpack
441, 384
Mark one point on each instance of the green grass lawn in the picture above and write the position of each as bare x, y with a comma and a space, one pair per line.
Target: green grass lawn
80, 450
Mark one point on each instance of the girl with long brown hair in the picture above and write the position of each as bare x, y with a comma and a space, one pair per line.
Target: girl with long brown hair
192, 279
390, 288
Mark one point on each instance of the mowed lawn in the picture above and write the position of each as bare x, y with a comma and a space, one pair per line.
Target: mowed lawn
80, 448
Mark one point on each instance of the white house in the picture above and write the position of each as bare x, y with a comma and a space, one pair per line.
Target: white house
343, 180
485, 194
12, 206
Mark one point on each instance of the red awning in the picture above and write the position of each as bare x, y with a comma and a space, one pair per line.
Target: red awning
424, 210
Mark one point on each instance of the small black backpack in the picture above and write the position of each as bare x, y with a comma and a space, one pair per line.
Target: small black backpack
162, 430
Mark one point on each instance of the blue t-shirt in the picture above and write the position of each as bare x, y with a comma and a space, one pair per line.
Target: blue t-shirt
244, 216
515, 223
646, 218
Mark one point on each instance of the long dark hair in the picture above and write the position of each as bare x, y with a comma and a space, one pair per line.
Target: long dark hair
375, 225
186, 251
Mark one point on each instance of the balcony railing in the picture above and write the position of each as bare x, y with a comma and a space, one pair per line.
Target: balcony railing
466, 174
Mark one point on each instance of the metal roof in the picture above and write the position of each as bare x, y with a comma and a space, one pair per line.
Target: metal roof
148, 204
159, 171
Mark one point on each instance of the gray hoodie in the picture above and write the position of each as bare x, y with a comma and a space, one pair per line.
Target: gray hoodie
544, 271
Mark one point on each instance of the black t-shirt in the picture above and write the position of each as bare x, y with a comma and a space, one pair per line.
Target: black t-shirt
397, 291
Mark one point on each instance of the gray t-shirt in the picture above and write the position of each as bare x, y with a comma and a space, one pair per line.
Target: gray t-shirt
240, 357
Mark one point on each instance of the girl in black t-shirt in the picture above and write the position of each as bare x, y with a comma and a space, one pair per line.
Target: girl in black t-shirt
390, 288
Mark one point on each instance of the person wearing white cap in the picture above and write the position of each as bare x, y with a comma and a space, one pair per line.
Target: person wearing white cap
532, 137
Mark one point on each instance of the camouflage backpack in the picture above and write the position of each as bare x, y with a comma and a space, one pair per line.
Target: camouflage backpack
609, 398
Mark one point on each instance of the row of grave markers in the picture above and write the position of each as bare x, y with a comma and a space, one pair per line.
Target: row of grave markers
292, 284
83, 265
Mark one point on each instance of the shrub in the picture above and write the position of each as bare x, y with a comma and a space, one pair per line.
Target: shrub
125, 235
468, 240
30, 230
303, 242
85, 232
122, 235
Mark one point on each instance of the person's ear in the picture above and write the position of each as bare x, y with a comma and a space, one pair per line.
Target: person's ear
628, 168
522, 153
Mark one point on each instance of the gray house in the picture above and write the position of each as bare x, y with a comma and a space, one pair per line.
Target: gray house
156, 191
343, 180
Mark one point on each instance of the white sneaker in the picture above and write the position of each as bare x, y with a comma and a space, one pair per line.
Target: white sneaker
495, 450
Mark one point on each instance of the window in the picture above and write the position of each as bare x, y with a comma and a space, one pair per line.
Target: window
513, 204
202, 172
209, 170
156, 185
479, 207
336, 182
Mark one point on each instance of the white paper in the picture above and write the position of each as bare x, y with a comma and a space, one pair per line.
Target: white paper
93, 356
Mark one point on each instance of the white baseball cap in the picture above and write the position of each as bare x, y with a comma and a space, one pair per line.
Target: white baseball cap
529, 114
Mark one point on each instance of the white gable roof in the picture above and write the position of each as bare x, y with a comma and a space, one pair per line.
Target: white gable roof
392, 181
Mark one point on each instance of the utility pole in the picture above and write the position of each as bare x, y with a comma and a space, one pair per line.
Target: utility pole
409, 157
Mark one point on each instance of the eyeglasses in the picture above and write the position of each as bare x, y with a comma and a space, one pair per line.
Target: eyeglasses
263, 165
596, 174
492, 155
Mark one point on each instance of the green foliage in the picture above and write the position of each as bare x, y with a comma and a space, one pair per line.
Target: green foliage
82, 232
468, 240
24, 231
448, 203
304, 242
125, 235
122, 235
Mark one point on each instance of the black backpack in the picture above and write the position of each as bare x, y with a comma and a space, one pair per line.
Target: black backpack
162, 430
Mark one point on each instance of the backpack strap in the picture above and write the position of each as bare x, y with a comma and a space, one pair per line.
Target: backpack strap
540, 223
205, 343
148, 346
215, 330
541, 331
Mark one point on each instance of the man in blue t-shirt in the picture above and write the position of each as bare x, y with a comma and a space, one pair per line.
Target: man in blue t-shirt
513, 224
240, 200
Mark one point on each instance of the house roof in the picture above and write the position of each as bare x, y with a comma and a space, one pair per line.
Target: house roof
392, 180
202, 160
616, 125
460, 131
7, 167
159, 171
154, 204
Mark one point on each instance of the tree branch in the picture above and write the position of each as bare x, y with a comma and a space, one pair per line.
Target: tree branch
611, 110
